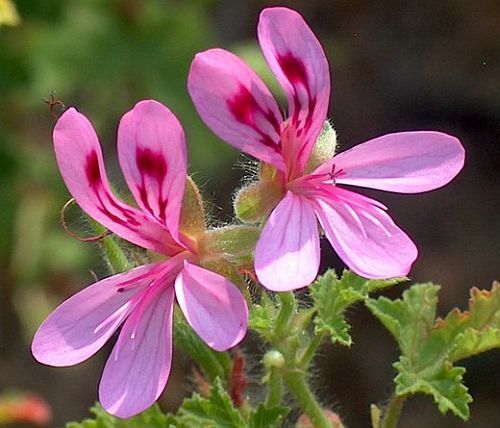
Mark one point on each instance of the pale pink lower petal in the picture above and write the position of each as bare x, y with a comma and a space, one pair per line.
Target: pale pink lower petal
138, 368
236, 105
299, 63
212, 305
366, 238
153, 157
81, 325
405, 162
287, 255
80, 161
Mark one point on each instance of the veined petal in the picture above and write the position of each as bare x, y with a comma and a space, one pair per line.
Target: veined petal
236, 105
138, 368
405, 162
366, 238
153, 157
212, 305
80, 161
299, 63
287, 255
81, 325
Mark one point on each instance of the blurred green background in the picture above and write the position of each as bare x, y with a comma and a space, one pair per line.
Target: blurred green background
396, 65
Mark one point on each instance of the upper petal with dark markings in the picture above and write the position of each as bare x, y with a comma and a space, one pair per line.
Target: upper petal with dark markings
236, 105
153, 156
299, 63
81, 164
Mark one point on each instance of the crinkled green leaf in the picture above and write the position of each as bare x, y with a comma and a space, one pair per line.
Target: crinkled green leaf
476, 330
444, 384
217, 411
267, 417
151, 418
430, 347
333, 295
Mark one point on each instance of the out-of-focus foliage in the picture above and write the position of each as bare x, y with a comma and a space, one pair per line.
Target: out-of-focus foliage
8, 13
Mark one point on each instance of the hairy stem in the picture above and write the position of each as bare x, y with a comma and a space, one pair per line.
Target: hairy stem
113, 253
274, 389
298, 387
288, 304
393, 411
311, 349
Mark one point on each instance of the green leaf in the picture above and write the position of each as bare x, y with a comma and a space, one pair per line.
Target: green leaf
430, 346
333, 295
476, 330
267, 417
151, 418
409, 320
444, 384
217, 411
263, 316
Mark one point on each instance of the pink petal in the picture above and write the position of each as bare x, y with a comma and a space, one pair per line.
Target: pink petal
365, 237
405, 162
153, 157
299, 63
81, 325
236, 105
212, 305
80, 161
138, 368
287, 255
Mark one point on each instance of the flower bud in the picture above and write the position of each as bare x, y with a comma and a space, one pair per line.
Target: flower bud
324, 148
273, 359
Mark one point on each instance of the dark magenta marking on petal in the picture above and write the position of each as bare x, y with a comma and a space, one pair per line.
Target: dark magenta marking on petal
244, 108
94, 178
151, 163
92, 170
294, 69
154, 165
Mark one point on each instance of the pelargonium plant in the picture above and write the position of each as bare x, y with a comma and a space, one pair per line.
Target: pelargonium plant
179, 280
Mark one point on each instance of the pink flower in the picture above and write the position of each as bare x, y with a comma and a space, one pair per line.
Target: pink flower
152, 155
238, 107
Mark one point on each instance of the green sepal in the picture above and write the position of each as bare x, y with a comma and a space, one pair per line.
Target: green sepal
324, 148
234, 243
332, 295
192, 219
254, 202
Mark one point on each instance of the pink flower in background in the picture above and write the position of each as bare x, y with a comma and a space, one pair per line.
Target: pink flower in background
152, 155
238, 107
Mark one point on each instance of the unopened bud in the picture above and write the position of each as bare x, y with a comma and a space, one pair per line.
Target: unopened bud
273, 359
